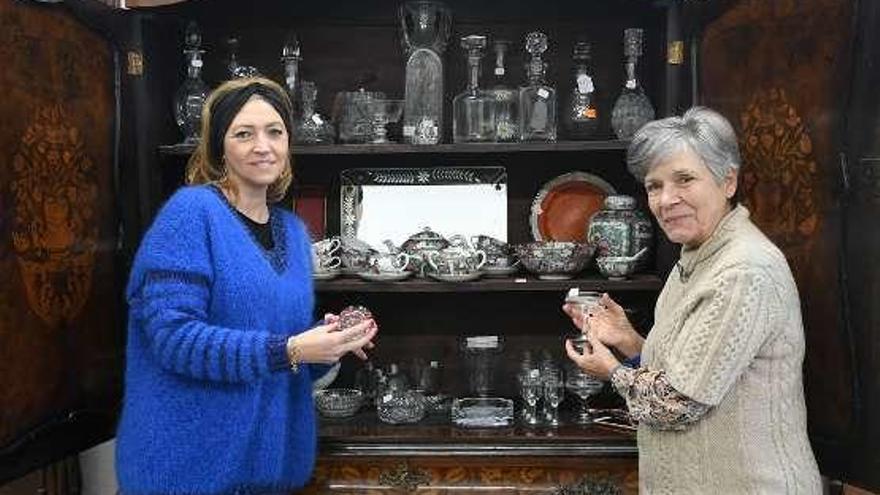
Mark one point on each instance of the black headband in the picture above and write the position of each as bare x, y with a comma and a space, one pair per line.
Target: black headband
225, 108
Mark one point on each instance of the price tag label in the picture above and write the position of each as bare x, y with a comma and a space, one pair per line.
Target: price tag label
317, 119
543, 93
585, 84
196, 62
482, 342
499, 71
631, 84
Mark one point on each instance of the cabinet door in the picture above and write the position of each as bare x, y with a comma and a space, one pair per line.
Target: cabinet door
60, 296
773, 68
862, 207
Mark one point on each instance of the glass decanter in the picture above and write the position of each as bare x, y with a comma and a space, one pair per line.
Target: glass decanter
425, 27
581, 114
505, 96
190, 97
473, 110
290, 59
537, 100
234, 69
311, 128
632, 109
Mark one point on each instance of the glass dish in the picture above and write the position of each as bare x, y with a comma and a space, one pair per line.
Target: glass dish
482, 412
338, 402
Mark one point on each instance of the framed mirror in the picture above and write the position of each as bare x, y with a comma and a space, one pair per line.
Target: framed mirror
395, 203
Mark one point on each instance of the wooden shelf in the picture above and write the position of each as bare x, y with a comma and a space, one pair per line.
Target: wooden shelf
396, 148
642, 282
364, 434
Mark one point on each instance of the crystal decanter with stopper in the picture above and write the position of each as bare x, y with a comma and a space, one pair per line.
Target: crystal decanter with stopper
311, 127
581, 115
290, 59
632, 109
474, 109
505, 96
537, 100
425, 27
190, 97
234, 69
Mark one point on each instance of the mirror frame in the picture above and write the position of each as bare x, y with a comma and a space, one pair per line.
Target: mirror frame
353, 179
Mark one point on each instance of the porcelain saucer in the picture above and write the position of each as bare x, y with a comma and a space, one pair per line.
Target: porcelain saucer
462, 277
385, 276
325, 274
499, 271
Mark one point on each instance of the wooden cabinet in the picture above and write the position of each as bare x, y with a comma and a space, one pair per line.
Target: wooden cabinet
773, 68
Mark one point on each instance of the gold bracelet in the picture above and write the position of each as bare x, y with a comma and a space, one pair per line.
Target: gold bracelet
293, 355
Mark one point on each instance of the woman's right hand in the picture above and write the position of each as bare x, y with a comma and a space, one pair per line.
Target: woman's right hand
608, 323
327, 343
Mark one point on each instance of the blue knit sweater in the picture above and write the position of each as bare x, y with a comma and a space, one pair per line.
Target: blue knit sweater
210, 406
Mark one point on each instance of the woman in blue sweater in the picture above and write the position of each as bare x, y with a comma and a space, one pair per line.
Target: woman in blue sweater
220, 353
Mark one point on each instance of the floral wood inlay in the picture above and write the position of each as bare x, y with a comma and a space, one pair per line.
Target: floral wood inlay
54, 224
779, 171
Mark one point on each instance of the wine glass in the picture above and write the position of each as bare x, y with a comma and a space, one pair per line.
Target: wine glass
530, 388
554, 393
583, 386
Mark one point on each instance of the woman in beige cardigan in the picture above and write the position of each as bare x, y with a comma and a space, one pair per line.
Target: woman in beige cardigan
718, 393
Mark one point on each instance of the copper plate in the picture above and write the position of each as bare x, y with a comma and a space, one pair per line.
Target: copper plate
563, 206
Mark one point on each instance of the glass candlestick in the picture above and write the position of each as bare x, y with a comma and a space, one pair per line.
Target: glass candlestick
505, 96
425, 27
537, 100
190, 97
581, 115
474, 109
632, 109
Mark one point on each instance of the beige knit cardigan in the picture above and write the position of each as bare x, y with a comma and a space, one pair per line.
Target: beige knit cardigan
728, 333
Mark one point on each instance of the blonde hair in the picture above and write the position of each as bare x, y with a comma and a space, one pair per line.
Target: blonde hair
206, 165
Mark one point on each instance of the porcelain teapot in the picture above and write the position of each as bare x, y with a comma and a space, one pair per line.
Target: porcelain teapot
418, 246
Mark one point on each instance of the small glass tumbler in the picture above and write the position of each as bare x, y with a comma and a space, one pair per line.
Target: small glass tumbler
585, 301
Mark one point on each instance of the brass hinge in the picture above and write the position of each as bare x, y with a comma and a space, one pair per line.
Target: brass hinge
135, 63
675, 52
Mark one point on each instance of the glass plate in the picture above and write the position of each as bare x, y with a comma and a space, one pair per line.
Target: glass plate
564, 205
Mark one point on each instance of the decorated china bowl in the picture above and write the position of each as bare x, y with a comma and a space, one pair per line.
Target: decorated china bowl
617, 267
554, 260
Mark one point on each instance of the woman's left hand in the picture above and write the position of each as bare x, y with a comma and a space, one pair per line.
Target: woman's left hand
599, 361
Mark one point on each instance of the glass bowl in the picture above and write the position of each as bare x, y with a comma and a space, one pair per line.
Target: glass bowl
554, 260
338, 402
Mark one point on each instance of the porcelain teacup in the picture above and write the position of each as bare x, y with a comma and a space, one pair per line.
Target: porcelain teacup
388, 262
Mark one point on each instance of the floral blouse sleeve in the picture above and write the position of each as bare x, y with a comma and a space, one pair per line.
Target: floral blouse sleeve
653, 401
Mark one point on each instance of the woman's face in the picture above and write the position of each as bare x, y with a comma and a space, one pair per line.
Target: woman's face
255, 147
685, 198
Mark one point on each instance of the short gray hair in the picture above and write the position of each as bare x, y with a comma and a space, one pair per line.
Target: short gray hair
700, 130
